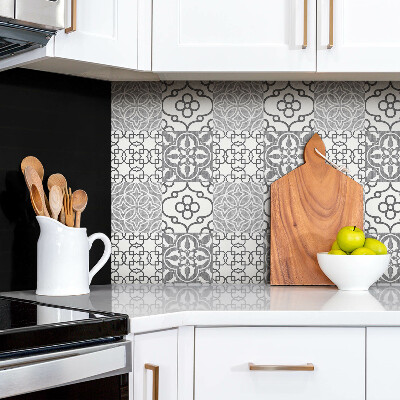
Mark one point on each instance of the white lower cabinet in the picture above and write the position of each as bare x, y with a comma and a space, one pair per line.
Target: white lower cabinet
222, 357
382, 364
214, 363
160, 349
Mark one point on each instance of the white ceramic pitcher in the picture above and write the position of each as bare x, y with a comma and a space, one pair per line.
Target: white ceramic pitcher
63, 259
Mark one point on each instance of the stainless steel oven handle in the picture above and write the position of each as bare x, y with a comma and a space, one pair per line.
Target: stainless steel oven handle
25, 363
30, 374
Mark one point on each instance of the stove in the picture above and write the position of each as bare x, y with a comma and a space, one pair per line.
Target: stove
30, 325
44, 346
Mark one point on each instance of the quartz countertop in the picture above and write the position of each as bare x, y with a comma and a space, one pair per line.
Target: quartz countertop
154, 307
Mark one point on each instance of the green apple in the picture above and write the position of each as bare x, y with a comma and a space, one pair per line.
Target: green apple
375, 245
363, 251
350, 238
335, 246
337, 252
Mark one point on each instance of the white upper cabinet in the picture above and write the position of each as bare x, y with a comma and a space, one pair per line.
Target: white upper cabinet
234, 35
106, 33
365, 36
106, 42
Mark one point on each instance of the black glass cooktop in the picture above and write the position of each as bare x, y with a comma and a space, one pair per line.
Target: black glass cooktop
26, 325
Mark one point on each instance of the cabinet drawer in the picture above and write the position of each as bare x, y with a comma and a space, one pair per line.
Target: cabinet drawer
382, 363
159, 349
222, 357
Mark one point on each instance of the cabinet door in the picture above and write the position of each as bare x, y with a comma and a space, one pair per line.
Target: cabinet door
383, 356
222, 357
106, 33
365, 36
159, 349
233, 35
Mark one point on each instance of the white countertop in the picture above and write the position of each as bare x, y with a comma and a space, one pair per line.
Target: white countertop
154, 307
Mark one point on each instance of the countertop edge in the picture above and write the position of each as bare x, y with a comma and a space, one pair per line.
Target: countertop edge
177, 319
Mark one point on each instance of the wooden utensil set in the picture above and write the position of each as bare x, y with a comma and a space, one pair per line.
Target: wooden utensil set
62, 204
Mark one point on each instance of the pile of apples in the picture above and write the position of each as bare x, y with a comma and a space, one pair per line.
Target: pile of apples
351, 240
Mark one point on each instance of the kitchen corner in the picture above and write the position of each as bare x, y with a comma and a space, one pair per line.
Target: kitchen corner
240, 164
182, 328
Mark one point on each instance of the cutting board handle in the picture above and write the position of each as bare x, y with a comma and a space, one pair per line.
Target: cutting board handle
310, 156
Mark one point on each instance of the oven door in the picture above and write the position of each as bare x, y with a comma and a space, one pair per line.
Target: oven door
71, 367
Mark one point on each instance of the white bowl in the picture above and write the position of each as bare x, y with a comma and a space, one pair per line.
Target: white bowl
353, 272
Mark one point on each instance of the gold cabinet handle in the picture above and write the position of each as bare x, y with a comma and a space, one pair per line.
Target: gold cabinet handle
305, 25
72, 28
305, 367
330, 45
155, 370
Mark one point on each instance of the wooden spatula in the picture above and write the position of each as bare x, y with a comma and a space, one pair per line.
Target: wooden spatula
79, 202
33, 162
56, 201
36, 200
32, 178
60, 181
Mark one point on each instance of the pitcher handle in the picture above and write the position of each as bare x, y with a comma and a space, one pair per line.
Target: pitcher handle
104, 258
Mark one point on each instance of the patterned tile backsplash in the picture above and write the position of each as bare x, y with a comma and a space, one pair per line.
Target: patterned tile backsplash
192, 164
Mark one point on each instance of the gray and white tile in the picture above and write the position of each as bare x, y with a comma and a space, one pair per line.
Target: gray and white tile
339, 106
187, 258
136, 106
383, 156
187, 156
238, 156
382, 207
288, 106
136, 258
187, 106
135, 207
238, 106
283, 152
392, 242
136, 156
173, 172
238, 207
239, 257
347, 149
187, 207
382, 106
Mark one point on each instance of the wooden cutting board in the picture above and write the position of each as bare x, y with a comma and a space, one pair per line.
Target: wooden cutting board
308, 207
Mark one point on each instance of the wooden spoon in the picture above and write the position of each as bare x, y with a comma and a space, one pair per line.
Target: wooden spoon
36, 200
32, 178
58, 180
79, 202
33, 162
56, 201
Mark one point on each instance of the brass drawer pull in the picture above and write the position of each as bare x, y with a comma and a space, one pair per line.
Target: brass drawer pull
155, 370
305, 367
330, 45
72, 28
305, 26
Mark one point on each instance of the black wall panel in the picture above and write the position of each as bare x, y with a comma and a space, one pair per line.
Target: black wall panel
65, 122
